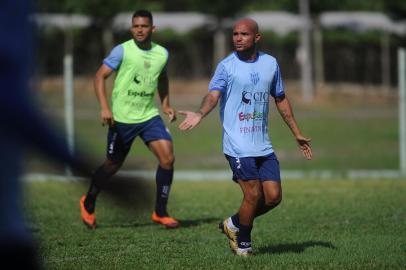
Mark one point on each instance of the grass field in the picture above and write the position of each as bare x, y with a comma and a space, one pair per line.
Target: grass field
352, 131
334, 224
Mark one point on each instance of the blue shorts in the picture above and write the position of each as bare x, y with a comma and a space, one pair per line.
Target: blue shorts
265, 168
121, 136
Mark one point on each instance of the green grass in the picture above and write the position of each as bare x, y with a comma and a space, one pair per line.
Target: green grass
344, 137
337, 224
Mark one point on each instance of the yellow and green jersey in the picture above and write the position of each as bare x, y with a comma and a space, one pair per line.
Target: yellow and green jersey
136, 81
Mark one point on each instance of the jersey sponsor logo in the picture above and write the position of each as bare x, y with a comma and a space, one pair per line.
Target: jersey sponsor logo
246, 97
137, 105
245, 130
251, 116
144, 79
133, 93
136, 79
257, 97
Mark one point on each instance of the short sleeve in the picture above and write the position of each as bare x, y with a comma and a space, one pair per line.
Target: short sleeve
277, 89
115, 57
219, 80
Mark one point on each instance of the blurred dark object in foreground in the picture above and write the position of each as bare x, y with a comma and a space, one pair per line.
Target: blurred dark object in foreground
24, 126
129, 192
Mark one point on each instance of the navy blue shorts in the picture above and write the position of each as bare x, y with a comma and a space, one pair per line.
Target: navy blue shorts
265, 168
121, 136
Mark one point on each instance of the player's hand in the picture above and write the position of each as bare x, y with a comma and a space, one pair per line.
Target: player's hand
304, 145
192, 120
107, 118
171, 113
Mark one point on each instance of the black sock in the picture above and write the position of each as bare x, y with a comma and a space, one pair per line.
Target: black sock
244, 236
236, 219
163, 185
99, 176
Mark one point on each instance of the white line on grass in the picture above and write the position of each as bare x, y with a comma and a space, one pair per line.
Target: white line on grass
220, 175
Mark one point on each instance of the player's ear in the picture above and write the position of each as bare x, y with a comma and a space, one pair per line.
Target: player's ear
153, 29
257, 37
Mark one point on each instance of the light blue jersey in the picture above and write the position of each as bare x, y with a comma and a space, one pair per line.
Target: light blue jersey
244, 106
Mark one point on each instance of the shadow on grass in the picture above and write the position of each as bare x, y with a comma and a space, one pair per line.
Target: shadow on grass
187, 223
124, 225
294, 247
183, 223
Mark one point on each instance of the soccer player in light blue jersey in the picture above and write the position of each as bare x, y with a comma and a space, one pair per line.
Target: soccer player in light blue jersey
244, 82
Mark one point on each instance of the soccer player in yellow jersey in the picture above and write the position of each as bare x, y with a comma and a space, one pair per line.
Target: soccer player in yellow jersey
140, 65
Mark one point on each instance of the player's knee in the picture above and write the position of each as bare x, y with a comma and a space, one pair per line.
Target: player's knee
111, 166
252, 196
273, 200
167, 162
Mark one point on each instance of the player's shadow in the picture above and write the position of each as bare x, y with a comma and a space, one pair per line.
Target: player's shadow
183, 223
187, 223
294, 247
125, 225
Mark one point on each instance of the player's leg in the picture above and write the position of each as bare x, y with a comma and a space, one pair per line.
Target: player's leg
271, 183
272, 196
118, 147
251, 196
159, 141
238, 227
88, 201
163, 150
100, 176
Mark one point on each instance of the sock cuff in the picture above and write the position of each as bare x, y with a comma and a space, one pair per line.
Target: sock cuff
162, 170
235, 219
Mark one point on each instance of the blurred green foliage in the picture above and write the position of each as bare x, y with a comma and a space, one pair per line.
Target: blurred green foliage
107, 9
191, 53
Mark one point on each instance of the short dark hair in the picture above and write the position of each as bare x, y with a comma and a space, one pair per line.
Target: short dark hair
143, 13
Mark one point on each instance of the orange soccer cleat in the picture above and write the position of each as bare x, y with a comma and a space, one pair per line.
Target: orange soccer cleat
88, 219
168, 222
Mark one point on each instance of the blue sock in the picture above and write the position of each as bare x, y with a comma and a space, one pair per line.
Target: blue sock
244, 236
236, 219
163, 185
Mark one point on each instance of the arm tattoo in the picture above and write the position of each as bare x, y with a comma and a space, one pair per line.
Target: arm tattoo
207, 105
287, 118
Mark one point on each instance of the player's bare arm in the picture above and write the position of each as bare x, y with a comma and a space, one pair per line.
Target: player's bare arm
163, 91
100, 88
192, 119
285, 110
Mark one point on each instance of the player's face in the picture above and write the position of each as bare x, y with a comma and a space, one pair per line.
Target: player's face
142, 29
244, 37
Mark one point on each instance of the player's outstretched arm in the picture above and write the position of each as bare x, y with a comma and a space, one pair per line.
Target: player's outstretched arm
192, 119
285, 110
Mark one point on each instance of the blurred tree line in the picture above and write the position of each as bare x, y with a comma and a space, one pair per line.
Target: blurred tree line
194, 49
107, 9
